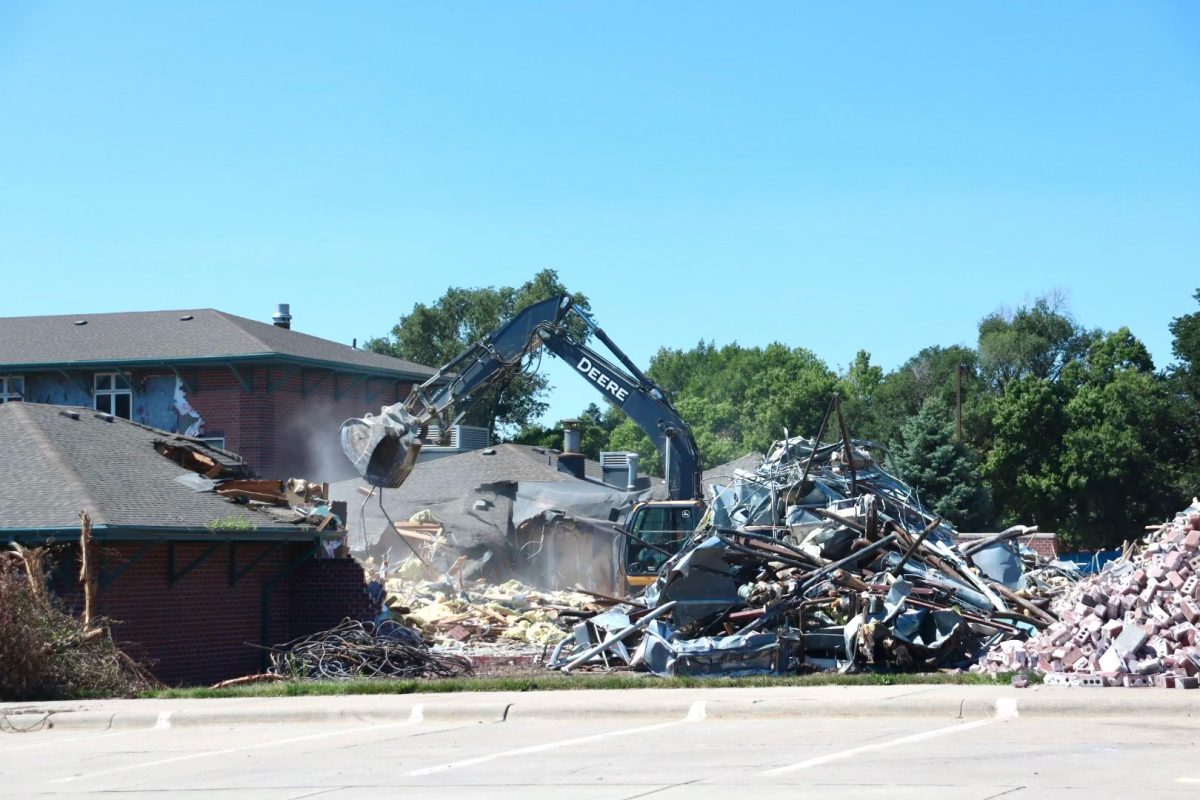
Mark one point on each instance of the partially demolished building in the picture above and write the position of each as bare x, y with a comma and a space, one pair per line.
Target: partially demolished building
505, 510
270, 393
197, 562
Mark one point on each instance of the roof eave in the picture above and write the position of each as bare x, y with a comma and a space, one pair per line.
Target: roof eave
164, 533
241, 358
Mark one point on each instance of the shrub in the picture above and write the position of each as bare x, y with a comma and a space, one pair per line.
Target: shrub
47, 654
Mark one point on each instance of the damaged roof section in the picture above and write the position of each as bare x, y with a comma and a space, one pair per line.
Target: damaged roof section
478, 497
131, 479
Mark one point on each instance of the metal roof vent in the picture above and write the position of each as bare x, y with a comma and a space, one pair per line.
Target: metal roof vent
282, 318
619, 469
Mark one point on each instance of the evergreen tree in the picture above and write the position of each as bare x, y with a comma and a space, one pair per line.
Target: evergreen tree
943, 471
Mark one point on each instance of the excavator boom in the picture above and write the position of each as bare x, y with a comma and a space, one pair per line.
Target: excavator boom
384, 447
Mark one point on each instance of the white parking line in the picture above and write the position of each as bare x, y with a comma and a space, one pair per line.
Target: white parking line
1006, 708
695, 713
52, 739
416, 716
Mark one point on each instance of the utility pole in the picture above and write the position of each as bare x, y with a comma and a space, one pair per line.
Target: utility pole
958, 399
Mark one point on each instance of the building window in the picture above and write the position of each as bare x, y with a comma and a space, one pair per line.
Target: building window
12, 388
216, 441
113, 395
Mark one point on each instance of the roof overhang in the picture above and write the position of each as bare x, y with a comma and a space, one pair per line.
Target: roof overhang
218, 361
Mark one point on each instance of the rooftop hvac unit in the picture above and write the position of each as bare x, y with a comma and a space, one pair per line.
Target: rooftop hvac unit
462, 437
619, 469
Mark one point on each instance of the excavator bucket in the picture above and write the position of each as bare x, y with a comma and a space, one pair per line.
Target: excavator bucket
383, 447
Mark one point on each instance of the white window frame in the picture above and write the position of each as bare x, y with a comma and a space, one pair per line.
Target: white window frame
111, 392
216, 441
6, 393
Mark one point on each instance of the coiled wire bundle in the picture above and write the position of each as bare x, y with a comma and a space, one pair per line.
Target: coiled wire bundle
364, 650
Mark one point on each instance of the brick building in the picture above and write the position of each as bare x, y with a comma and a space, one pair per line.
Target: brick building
1044, 544
190, 577
274, 395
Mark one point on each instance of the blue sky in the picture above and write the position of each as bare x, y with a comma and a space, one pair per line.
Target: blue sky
877, 176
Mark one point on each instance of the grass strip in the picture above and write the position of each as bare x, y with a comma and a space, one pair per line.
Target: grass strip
552, 682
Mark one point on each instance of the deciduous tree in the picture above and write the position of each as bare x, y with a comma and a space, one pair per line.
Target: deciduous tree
434, 334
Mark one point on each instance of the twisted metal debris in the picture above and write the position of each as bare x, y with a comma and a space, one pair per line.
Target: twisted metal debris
820, 559
364, 650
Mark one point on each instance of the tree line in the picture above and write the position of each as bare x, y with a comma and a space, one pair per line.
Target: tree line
1043, 421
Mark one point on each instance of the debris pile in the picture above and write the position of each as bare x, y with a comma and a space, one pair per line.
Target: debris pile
816, 560
479, 617
437, 590
364, 650
1133, 624
212, 469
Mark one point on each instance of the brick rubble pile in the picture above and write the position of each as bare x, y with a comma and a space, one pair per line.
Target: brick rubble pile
1133, 624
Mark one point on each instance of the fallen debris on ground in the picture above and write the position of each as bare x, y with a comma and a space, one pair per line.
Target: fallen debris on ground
365, 650
821, 560
1133, 624
484, 618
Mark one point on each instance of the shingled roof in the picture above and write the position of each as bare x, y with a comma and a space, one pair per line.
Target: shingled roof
723, 473
190, 335
449, 487
59, 461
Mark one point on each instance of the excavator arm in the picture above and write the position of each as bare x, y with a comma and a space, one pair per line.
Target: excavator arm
384, 447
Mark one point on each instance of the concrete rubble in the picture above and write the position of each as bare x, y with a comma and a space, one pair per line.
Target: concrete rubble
1133, 624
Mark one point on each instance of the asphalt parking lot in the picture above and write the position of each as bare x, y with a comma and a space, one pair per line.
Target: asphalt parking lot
625, 748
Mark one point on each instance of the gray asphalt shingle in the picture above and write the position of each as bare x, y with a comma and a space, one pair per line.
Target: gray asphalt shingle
141, 336
52, 466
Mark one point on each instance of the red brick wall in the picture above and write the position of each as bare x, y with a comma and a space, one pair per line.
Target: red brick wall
202, 629
229, 411
1044, 544
323, 592
281, 433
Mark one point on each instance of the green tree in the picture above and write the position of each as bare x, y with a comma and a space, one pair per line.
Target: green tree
1184, 384
1024, 465
943, 471
859, 388
735, 399
1037, 341
596, 428
435, 334
933, 372
1185, 345
1120, 445
789, 388
1091, 454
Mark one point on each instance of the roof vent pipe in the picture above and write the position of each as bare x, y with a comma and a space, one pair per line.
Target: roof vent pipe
572, 436
282, 316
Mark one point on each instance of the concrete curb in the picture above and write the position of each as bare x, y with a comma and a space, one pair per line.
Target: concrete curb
749, 704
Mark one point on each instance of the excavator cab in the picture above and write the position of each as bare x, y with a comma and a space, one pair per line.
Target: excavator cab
657, 530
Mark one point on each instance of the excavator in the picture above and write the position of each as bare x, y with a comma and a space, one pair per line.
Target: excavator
384, 447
